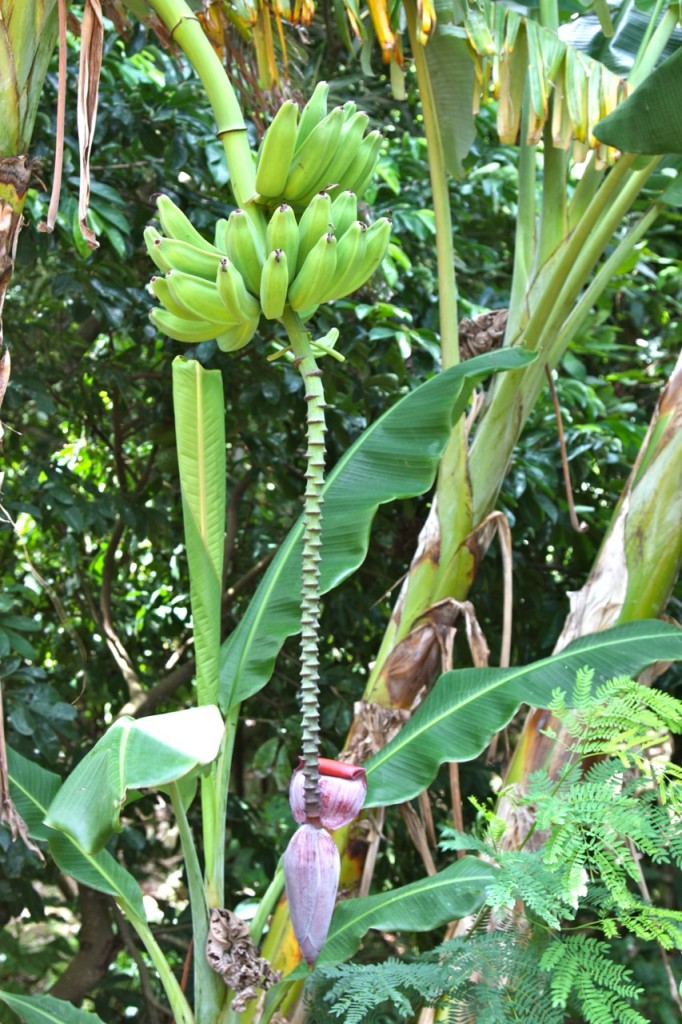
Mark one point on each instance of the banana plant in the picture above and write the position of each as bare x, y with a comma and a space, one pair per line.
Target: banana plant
560, 271
558, 275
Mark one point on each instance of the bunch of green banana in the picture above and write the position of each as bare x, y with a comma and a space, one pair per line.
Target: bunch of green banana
301, 156
205, 293
219, 290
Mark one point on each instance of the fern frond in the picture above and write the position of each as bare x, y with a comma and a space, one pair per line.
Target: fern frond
582, 971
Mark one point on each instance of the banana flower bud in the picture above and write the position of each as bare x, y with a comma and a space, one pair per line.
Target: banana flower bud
343, 788
311, 873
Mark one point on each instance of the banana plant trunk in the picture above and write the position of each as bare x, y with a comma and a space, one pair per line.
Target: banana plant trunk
636, 568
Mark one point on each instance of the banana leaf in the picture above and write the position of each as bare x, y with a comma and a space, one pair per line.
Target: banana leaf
418, 907
199, 407
32, 789
649, 120
396, 457
133, 754
47, 1010
468, 706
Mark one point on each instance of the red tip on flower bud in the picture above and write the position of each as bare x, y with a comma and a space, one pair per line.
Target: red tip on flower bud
311, 873
343, 788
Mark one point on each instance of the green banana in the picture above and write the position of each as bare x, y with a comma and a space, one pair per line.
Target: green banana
350, 138
177, 225
239, 302
151, 238
377, 238
277, 151
349, 109
316, 221
308, 171
238, 336
361, 169
181, 329
274, 284
159, 288
316, 276
350, 254
243, 246
219, 236
282, 233
313, 112
188, 258
344, 212
199, 297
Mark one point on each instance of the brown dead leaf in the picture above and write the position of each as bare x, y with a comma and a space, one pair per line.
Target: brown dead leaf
92, 39
232, 953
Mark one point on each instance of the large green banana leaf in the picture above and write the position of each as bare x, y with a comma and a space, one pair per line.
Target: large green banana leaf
468, 706
420, 906
47, 1010
32, 789
199, 407
397, 457
649, 120
133, 754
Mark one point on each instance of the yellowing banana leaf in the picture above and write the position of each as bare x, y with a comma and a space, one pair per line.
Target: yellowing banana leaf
649, 120
199, 407
420, 906
33, 788
527, 52
133, 754
47, 1010
396, 457
468, 706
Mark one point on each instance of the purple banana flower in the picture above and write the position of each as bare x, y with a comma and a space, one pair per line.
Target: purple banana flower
343, 788
311, 873
311, 860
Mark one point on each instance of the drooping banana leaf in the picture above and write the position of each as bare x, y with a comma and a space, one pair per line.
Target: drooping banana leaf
451, 80
396, 457
133, 754
32, 789
47, 1010
649, 121
468, 706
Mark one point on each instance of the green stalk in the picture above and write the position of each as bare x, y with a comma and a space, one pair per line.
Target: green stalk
268, 903
553, 218
430, 579
305, 363
604, 276
559, 286
585, 191
186, 31
524, 237
182, 1013
447, 284
208, 987
653, 44
214, 836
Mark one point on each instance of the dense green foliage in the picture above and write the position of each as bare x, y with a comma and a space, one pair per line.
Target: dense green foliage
94, 609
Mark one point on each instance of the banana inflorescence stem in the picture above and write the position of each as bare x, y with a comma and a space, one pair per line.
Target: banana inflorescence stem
312, 544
